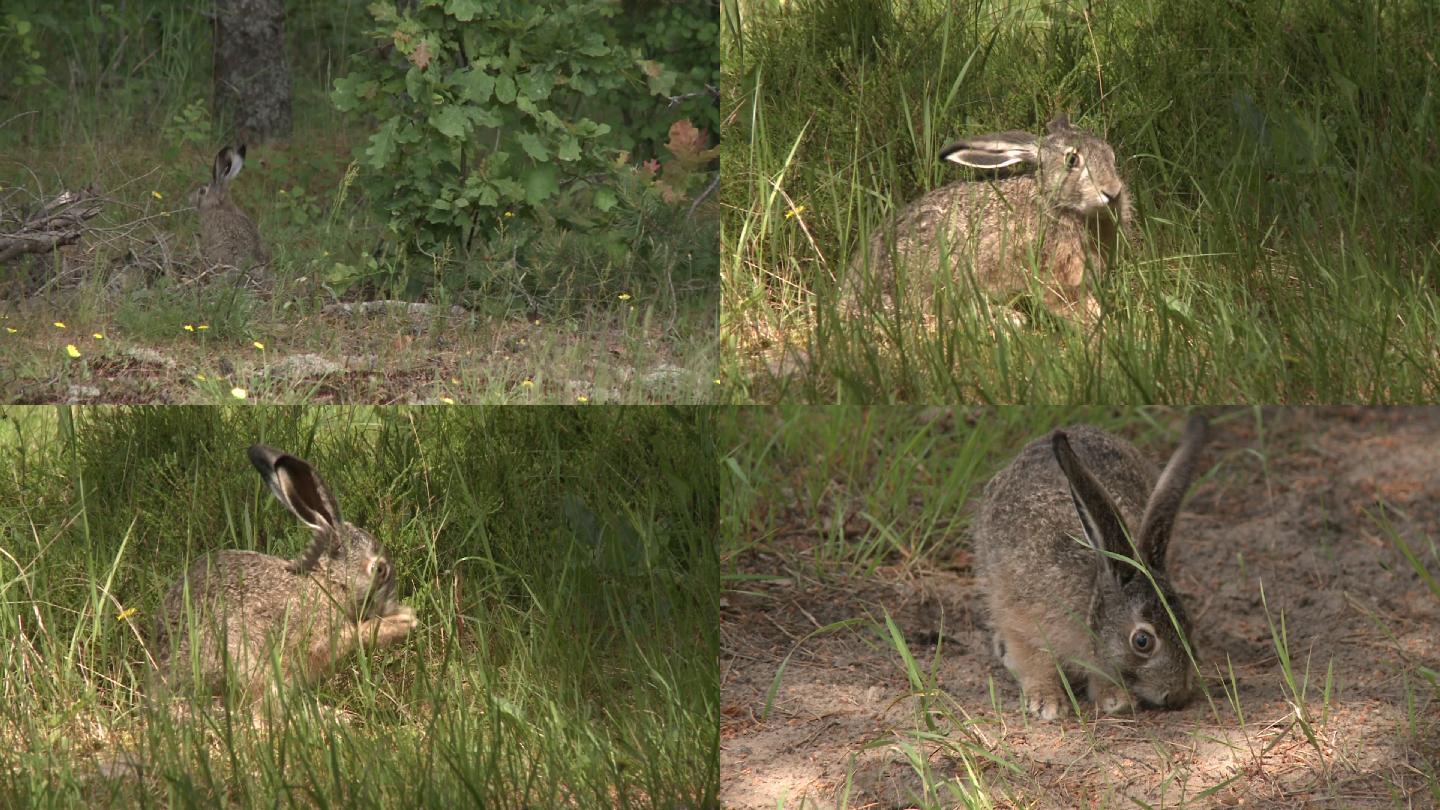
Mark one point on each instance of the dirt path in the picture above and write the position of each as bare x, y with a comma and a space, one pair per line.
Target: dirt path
1301, 510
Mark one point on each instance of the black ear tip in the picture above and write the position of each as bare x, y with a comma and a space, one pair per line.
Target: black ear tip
263, 457
1060, 444
1197, 428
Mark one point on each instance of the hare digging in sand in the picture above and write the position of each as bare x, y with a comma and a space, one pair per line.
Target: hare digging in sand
228, 236
233, 611
1042, 230
1058, 601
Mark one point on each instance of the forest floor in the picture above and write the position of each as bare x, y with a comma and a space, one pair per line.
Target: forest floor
389, 355
1319, 640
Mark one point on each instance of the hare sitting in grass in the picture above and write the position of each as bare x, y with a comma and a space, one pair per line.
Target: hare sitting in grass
228, 236
1041, 230
235, 610
1058, 600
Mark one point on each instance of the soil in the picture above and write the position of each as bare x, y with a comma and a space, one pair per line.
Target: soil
1300, 519
335, 358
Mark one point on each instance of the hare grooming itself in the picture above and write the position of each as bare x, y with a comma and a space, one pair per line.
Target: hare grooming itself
234, 610
1010, 233
1056, 599
228, 236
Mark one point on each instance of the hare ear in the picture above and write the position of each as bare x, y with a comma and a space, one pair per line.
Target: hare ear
1060, 123
298, 487
994, 151
228, 163
1164, 502
1103, 526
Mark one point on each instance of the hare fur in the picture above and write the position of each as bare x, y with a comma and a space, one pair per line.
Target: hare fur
1056, 603
224, 619
228, 236
1011, 234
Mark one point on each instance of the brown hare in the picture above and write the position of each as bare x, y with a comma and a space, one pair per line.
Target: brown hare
233, 610
228, 236
1058, 601
1042, 230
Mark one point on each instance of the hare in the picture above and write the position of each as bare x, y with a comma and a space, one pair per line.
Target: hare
228, 236
1058, 600
234, 610
1009, 233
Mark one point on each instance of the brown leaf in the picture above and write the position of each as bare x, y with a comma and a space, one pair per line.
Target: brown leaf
420, 57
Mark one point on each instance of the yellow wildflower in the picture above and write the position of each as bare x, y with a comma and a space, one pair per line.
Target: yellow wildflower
71, 350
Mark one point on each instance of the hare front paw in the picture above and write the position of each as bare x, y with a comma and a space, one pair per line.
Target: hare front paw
387, 630
1109, 697
1044, 706
402, 620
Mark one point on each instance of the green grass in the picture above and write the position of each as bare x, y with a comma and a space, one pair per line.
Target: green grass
128, 108
561, 562
1286, 211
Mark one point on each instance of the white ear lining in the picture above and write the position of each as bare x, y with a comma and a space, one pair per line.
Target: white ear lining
991, 161
286, 489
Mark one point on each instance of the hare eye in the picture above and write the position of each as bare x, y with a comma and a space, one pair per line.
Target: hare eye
1072, 158
1142, 642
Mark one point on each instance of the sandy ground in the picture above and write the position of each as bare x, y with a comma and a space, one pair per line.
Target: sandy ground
1301, 513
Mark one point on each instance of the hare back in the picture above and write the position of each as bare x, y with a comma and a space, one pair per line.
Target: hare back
229, 236
999, 232
1030, 547
242, 603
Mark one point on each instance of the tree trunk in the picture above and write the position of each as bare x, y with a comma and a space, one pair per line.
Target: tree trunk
252, 75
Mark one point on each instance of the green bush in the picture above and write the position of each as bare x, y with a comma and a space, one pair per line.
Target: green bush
476, 108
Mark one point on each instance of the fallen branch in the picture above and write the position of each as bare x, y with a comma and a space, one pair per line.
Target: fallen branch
61, 221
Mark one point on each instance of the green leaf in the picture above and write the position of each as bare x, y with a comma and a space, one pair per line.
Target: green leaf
605, 199
541, 183
532, 145
350, 91
569, 148
464, 10
382, 144
505, 89
475, 84
451, 121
